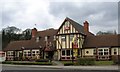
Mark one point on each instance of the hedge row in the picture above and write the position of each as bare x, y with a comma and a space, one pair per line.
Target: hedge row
85, 61
68, 64
28, 63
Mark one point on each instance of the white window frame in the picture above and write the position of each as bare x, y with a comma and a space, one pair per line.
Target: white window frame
103, 51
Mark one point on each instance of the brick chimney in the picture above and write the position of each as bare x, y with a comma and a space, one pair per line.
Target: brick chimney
86, 26
34, 32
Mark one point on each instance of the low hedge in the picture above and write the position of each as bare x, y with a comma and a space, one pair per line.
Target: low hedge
85, 61
42, 60
28, 63
116, 59
68, 64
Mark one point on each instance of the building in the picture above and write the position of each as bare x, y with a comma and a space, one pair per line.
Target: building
68, 33
102, 47
41, 46
75, 38
2, 56
69, 42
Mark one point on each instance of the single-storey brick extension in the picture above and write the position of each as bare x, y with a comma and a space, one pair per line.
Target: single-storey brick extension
59, 44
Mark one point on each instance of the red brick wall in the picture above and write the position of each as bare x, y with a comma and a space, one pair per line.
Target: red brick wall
34, 32
86, 26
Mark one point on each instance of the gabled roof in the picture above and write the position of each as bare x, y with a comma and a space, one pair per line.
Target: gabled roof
32, 44
102, 41
78, 27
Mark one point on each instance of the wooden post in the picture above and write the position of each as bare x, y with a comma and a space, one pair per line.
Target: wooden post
72, 52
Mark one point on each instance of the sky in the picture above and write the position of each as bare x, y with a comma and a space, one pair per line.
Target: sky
43, 14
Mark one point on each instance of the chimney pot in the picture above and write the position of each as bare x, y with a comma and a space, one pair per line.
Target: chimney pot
86, 26
34, 32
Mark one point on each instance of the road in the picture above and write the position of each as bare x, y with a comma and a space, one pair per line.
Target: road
18, 68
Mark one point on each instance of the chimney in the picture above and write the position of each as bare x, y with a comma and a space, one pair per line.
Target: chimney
34, 32
86, 26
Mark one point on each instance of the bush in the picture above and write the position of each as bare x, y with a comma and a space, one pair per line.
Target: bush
116, 59
86, 61
6, 62
42, 60
28, 63
68, 64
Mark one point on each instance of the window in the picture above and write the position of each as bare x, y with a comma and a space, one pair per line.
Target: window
103, 51
68, 52
63, 52
63, 38
87, 52
29, 53
71, 37
115, 51
37, 39
100, 51
67, 23
46, 38
94, 51
33, 51
10, 53
37, 52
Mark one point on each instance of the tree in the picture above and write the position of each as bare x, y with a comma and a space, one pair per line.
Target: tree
14, 34
106, 33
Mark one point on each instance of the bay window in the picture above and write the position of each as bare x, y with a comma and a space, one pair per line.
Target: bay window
103, 51
66, 52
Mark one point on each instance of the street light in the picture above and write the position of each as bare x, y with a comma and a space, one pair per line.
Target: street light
22, 51
40, 51
72, 52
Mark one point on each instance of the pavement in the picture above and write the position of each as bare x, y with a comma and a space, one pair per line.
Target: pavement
58, 63
113, 67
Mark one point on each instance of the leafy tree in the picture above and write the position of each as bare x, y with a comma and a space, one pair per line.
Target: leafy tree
105, 33
14, 34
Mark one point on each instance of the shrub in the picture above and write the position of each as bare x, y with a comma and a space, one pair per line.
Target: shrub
42, 60
86, 61
68, 64
116, 59
6, 62
28, 63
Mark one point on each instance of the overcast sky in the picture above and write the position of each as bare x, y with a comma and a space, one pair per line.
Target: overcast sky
102, 16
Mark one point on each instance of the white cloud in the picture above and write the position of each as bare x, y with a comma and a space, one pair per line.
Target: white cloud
25, 13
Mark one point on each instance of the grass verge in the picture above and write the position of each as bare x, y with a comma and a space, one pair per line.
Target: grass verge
27, 63
104, 63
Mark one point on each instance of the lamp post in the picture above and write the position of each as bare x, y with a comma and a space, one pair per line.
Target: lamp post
72, 53
118, 56
40, 51
22, 52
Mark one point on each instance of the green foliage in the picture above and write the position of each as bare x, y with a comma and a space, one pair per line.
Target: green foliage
42, 60
12, 34
116, 59
27, 63
68, 64
104, 63
86, 61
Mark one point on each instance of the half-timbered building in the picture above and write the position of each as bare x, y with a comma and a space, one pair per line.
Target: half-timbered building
70, 41
68, 33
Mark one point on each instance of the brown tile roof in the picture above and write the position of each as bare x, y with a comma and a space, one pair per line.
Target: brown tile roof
79, 27
31, 44
101, 41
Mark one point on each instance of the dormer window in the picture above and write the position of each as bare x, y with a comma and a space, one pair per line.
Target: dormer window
46, 38
37, 39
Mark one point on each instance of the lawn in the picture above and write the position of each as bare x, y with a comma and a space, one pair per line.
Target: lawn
104, 62
27, 63
96, 62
